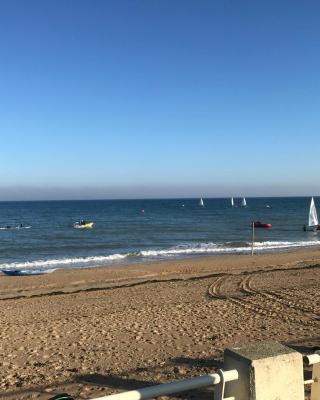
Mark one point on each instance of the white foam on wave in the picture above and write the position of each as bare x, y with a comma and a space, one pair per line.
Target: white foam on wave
176, 251
214, 248
62, 262
39, 271
283, 244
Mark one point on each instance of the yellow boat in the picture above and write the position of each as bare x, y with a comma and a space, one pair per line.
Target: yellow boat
83, 225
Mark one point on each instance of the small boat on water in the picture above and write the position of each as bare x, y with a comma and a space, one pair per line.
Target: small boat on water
201, 203
232, 202
15, 227
258, 224
313, 223
83, 224
19, 272
243, 202
12, 272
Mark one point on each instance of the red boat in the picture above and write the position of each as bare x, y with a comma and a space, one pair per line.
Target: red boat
258, 224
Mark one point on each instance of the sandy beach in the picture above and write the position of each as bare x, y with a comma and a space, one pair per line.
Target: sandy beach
92, 332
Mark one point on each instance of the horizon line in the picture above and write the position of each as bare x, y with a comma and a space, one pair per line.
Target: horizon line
160, 198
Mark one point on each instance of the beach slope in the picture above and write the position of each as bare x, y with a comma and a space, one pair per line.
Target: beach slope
96, 331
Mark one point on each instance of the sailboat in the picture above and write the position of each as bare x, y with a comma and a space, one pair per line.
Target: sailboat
232, 202
201, 203
243, 202
313, 223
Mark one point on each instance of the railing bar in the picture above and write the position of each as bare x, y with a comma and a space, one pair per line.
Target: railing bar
164, 389
312, 359
171, 388
309, 381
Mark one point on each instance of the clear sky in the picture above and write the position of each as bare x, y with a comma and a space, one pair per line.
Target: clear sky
159, 98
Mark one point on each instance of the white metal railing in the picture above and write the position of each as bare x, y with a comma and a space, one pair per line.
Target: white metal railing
314, 361
218, 379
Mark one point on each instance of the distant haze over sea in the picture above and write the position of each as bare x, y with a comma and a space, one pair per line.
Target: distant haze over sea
145, 191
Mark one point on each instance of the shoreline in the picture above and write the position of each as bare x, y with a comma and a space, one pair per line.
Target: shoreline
39, 266
74, 280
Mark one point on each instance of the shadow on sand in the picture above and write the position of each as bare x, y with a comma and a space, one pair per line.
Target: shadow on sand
100, 385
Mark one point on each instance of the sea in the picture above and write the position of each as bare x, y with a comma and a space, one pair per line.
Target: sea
39, 237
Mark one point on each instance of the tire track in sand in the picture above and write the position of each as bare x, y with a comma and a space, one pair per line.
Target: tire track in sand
262, 303
214, 289
246, 286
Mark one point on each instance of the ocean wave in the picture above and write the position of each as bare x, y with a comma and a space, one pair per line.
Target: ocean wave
62, 262
228, 247
153, 254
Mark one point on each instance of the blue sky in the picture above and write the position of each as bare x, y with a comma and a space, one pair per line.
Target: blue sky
159, 98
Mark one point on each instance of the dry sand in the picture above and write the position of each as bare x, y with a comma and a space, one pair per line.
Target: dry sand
96, 331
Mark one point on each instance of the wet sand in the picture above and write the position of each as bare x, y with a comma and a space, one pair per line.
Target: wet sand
92, 332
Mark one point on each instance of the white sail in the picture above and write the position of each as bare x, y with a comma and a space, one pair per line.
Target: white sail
313, 218
243, 203
232, 202
201, 203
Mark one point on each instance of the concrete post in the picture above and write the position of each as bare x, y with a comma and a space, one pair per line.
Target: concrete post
267, 371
